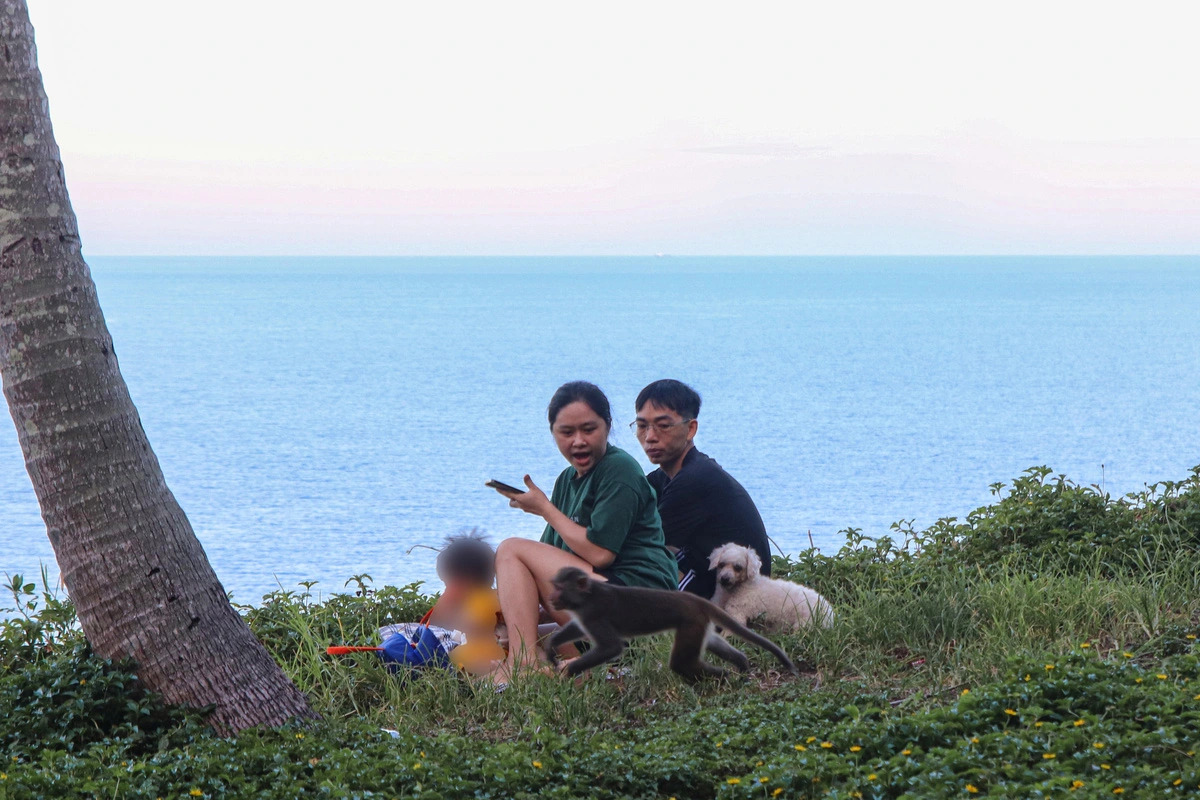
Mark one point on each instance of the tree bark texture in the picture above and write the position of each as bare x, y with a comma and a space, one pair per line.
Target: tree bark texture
140, 581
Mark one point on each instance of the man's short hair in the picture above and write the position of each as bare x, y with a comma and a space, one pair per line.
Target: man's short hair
672, 394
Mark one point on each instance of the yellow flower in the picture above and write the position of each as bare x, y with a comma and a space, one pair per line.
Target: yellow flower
1010, 712
810, 740
1080, 722
872, 776
1027, 677
965, 691
3, 777
801, 748
827, 745
1191, 636
83, 681
759, 764
1049, 667
1086, 645
972, 788
974, 740
906, 752
1098, 745
778, 791
1127, 654
1118, 790
1105, 766
417, 765
733, 781
764, 779
196, 793
1137, 680
1037, 724
1161, 677
1197, 697
422, 754
1048, 755
854, 748
1177, 781
299, 735
537, 764
1076, 784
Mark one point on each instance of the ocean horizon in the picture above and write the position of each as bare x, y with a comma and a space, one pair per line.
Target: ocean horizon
324, 417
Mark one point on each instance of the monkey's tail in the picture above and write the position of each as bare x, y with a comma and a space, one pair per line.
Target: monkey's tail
733, 626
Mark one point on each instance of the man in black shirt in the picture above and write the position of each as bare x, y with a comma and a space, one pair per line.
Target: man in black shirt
701, 505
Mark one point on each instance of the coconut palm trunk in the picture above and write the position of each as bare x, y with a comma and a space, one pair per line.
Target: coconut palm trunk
139, 579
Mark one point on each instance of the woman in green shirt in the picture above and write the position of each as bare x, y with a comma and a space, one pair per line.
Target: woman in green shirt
601, 517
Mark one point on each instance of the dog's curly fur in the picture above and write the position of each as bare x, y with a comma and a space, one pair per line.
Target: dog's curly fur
745, 593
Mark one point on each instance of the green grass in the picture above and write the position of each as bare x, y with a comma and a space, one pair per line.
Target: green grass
1044, 646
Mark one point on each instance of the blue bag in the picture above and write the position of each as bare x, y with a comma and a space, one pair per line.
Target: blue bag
419, 649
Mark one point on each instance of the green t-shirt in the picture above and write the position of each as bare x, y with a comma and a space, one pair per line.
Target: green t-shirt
617, 506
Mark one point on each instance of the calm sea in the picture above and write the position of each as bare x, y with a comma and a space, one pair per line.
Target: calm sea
320, 418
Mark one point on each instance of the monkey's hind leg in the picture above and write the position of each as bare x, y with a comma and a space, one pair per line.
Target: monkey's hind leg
688, 651
719, 647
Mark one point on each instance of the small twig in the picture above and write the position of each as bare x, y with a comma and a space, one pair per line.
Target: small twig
776, 544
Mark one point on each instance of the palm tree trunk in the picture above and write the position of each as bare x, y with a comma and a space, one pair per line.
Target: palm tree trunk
140, 581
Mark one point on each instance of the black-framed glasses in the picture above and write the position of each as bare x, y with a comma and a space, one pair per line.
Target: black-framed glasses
640, 426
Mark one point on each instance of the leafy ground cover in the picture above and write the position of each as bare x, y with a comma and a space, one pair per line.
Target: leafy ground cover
1044, 646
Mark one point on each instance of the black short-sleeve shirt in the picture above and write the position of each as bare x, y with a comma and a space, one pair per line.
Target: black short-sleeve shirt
702, 508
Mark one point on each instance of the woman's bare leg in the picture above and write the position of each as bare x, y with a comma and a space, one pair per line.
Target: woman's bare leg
524, 569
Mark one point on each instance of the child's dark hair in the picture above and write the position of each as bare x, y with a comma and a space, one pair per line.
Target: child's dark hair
467, 557
580, 391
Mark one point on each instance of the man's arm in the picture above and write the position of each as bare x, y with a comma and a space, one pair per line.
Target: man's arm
685, 518
682, 512
703, 508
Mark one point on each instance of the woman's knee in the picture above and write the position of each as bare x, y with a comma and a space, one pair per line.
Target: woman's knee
516, 553
509, 549
506, 558
523, 549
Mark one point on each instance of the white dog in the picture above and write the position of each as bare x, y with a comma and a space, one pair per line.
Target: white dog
744, 593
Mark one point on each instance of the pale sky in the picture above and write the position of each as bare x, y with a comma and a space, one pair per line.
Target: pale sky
478, 128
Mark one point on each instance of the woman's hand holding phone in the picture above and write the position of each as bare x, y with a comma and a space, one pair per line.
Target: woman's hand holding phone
531, 500
504, 488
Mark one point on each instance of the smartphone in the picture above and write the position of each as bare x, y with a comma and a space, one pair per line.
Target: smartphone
504, 487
